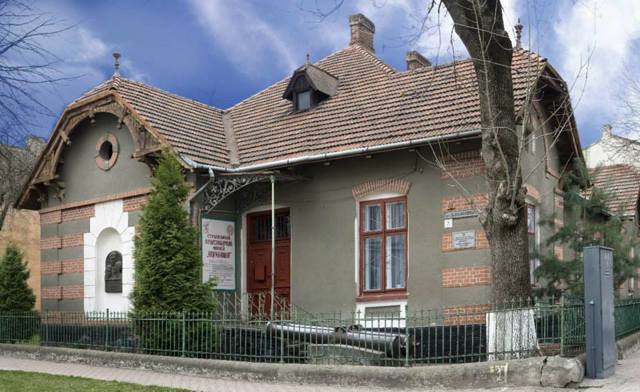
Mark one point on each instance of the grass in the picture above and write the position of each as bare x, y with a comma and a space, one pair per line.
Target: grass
40, 382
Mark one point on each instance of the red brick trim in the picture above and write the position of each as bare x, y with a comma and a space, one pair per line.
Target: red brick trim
462, 164
474, 275
386, 185
481, 242
51, 267
52, 292
52, 217
66, 241
466, 314
533, 192
63, 292
101, 199
51, 243
72, 214
62, 266
459, 203
134, 203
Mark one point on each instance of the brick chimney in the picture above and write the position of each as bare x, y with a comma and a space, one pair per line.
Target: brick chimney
606, 130
415, 60
362, 30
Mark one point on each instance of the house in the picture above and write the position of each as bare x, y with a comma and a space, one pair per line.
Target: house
612, 149
21, 227
376, 172
621, 183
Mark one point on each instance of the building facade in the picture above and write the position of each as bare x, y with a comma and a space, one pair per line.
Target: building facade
376, 172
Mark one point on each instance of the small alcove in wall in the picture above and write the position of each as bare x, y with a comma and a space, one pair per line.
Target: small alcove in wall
108, 270
108, 259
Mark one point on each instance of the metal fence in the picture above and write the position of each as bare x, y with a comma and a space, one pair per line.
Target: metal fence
239, 329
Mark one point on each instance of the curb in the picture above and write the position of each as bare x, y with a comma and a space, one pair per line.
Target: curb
520, 372
628, 345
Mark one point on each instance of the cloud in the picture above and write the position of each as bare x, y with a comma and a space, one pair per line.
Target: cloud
247, 40
594, 44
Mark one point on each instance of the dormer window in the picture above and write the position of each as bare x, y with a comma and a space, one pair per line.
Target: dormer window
309, 86
303, 100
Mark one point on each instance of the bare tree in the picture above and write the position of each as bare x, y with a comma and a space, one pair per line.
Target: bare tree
479, 25
26, 66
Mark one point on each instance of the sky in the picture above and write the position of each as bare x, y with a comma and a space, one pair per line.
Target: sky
222, 51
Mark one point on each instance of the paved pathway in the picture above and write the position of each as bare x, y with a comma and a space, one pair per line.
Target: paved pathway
627, 378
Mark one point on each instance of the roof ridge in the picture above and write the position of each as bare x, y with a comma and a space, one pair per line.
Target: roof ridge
387, 68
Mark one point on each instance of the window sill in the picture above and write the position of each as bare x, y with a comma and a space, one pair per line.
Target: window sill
381, 296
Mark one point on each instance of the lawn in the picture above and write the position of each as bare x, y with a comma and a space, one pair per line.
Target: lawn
26, 381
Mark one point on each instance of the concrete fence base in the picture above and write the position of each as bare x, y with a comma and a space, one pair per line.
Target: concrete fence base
538, 371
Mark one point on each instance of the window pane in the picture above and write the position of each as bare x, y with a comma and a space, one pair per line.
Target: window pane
395, 215
373, 217
372, 258
395, 261
304, 100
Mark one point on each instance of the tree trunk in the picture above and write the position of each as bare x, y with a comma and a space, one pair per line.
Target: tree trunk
479, 25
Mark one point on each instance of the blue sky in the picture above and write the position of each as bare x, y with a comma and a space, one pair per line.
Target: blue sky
222, 51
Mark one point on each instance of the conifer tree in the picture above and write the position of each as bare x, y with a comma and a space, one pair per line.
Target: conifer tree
167, 261
15, 293
587, 221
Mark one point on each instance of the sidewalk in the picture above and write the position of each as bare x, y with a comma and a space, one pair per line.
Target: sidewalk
627, 378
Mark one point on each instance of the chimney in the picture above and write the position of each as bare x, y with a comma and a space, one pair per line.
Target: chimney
415, 60
606, 130
362, 30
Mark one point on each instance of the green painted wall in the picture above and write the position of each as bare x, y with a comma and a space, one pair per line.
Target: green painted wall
83, 180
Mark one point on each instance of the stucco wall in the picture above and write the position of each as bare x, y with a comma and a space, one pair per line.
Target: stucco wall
323, 213
65, 224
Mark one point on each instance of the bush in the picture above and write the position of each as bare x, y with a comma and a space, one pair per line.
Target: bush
168, 267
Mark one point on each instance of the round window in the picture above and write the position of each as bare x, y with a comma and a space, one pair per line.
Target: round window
106, 151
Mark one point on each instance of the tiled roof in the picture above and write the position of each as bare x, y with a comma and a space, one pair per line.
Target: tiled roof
374, 105
194, 129
622, 185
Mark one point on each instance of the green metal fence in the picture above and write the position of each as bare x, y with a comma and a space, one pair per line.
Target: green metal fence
240, 330
627, 316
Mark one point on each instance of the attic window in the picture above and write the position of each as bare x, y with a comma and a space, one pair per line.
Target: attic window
309, 85
303, 100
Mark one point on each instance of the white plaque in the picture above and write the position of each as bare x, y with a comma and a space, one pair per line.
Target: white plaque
219, 252
448, 223
464, 239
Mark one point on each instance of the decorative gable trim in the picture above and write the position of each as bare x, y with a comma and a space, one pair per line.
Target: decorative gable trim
387, 185
146, 141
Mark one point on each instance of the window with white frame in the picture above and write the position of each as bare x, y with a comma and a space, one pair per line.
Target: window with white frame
383, 246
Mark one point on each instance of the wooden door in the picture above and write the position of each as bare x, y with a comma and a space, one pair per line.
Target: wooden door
259, 257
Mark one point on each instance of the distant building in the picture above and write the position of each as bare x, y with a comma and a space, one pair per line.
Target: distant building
22, 227
612, 149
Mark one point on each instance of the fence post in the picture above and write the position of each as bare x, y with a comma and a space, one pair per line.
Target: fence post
46, 326
184, 334
562, 327
106, 337
406, 335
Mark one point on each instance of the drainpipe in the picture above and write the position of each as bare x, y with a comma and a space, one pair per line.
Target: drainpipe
272, 178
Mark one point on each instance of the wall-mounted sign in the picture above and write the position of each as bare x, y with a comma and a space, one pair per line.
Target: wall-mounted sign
448, 223
219, 252
461, 214
464, 239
